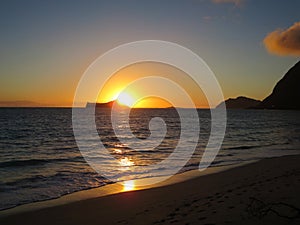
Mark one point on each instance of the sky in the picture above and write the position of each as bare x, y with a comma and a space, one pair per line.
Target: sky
46, 46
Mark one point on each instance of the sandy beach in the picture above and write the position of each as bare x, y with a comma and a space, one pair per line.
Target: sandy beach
263, 192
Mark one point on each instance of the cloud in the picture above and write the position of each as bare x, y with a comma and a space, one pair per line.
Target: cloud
235, 2
284, 42
207, 18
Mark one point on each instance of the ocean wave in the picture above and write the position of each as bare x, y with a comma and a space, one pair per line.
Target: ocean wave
57, 177
244, 147
35, 162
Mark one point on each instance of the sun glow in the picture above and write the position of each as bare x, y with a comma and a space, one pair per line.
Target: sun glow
129, 185
125, 99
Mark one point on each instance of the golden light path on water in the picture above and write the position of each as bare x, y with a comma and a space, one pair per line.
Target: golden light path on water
128, 185
126, 163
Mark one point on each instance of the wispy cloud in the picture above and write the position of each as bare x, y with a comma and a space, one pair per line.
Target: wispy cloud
207, 18
284, 42
235, 2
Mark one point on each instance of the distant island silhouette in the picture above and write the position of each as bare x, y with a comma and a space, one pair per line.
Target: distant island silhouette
285, 95
20, 103
106, 105
240, 102
100, 105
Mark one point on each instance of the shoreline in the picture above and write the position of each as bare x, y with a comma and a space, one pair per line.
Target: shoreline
262, 192
115, 188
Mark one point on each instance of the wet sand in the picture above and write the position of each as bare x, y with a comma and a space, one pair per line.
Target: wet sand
263, 192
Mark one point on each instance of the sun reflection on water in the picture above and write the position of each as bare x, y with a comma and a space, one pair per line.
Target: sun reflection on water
117, 151
129, 185
126, 162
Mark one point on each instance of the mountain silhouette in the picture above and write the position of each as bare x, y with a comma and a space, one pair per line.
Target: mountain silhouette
240, 102
286, 93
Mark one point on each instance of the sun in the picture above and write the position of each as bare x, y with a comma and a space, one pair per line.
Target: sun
125, 99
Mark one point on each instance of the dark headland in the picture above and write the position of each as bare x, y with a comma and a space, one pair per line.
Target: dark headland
285, 95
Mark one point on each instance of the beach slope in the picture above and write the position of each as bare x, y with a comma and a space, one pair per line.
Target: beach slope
263, 192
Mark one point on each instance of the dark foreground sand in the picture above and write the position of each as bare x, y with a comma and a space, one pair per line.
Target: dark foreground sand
264, 192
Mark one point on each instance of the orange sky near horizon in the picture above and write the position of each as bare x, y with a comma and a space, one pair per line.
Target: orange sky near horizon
121, 79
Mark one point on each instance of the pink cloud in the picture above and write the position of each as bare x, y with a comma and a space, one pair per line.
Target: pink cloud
284, 42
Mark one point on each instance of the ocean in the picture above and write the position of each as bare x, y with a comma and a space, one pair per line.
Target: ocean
39, 158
